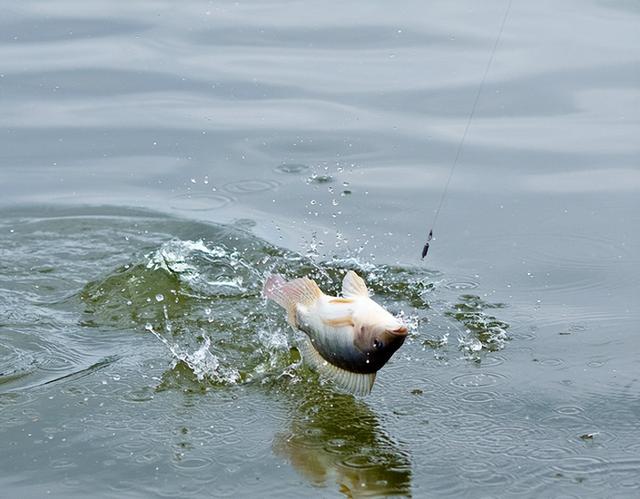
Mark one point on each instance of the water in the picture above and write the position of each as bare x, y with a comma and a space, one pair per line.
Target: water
158, 160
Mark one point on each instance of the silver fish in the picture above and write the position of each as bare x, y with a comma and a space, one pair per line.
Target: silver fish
348, 338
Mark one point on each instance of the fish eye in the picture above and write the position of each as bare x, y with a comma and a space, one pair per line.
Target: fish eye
377, 344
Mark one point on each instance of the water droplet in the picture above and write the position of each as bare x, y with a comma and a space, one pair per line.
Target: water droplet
159, 297
319, 179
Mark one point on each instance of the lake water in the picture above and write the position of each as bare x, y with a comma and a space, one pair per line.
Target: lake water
158, 159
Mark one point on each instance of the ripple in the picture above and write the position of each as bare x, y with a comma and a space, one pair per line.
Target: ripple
573, 422
232, 439
193, 464
502, 440
492, 360
225, 490
466, 425
485, 473
62, 464
551, 362
493, 479
461, 285
142, 394
569, 410
251, 186
581, 465
359, 461
199, 201
595, 364
550, 453
440, 410
138, 446
477, 380
291, 168
593, 317
633, 448
479, 397
577, 327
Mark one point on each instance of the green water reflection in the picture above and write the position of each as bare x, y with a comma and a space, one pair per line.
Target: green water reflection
336, 440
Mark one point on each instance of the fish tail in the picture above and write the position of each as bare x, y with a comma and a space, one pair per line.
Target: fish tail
272, 289
288, 294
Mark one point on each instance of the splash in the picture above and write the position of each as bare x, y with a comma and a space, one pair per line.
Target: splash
202, 299
483, 332
181, 258
202, 362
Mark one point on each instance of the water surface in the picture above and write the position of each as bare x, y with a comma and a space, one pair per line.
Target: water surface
158, 160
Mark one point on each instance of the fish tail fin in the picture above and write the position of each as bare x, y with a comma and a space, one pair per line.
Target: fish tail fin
288, 294
355, 383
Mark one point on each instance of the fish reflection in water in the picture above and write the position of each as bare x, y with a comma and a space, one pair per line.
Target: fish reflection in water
334, 438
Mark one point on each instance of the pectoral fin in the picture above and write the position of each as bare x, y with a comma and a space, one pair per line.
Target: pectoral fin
355, 383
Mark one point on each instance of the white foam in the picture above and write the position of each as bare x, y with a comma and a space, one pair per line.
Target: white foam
187, 259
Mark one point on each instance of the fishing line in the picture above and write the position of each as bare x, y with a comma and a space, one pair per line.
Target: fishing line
425, 249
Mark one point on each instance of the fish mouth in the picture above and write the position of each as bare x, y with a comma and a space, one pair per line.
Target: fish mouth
399, 331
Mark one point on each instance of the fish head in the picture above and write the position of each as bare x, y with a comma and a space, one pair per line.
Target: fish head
379, 342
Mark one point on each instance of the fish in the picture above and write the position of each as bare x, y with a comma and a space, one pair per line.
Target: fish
347, 339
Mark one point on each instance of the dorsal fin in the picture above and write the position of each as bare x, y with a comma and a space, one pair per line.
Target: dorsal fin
353, 286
